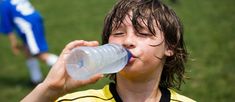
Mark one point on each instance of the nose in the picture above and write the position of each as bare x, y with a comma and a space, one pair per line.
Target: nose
129, 41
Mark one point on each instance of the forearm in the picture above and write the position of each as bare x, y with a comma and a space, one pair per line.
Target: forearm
58, 82
41, 93
15, 47
12, 39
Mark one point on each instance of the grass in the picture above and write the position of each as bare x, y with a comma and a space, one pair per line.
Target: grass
209, 35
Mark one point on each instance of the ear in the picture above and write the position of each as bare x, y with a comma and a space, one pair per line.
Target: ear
169, 52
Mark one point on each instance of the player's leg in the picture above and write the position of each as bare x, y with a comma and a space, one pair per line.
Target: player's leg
33, 67
40, 48
48, 58
25, 33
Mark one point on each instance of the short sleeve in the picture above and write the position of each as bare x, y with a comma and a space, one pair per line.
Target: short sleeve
6, 22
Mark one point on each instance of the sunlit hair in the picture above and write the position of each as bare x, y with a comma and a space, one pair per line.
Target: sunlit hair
153, 12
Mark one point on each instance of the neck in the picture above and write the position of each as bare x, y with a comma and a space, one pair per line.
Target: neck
139, 91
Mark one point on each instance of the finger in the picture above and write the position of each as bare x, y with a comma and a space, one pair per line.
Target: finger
91, 43
15, 52
72, 45
93, 79
77, 43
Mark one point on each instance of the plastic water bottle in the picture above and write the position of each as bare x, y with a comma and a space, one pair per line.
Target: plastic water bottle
83, 62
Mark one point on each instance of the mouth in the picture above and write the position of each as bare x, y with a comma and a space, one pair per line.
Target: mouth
133, 58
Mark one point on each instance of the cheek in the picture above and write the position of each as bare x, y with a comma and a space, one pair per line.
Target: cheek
115, 40
148, 54
150, 59
151, 53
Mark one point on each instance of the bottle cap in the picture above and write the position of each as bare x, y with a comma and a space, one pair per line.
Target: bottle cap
129, 55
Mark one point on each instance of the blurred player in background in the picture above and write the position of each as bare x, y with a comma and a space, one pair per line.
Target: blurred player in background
20, 16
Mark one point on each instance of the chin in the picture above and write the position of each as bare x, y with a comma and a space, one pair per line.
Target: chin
131, 69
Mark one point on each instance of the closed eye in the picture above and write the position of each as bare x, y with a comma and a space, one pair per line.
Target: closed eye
144, 34
117, 34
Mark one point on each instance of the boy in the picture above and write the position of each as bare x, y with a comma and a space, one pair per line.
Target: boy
19, 15
153, 34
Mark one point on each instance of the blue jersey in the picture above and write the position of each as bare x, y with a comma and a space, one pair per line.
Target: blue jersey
20, 15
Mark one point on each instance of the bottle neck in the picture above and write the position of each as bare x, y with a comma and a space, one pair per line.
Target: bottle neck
129, 55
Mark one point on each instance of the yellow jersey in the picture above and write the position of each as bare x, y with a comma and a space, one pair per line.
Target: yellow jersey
109, 94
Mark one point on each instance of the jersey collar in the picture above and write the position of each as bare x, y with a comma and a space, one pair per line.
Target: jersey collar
164, 98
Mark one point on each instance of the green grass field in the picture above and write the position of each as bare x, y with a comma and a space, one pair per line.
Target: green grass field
209, 35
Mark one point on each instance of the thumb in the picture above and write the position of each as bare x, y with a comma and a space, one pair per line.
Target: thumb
74, 84
91, 80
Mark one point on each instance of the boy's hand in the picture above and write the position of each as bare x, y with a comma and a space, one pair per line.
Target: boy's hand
58, 81
16, 48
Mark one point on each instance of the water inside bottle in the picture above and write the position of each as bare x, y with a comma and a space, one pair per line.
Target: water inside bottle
80, 63
87, 61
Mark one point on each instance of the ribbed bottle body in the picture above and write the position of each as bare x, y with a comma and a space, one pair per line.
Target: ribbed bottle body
83, 62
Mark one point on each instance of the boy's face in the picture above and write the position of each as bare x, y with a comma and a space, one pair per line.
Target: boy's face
148, 50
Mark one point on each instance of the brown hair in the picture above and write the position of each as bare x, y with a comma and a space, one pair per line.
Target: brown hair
154, 12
